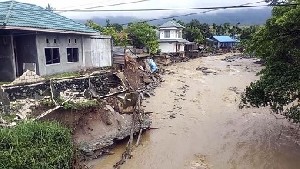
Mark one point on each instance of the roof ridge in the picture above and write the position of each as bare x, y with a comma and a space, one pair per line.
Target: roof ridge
8, 12
69, 19
34, 16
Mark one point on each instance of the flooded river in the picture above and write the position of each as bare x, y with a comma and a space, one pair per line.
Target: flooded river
200, 125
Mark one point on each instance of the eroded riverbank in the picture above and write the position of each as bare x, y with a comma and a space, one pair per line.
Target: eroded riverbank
201, 126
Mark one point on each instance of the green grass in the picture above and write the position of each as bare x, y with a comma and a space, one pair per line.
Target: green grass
34, 145
8, 117
70, 105
3, 83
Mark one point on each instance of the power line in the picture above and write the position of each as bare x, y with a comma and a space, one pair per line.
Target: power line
117, 4
160, 9
189, 14
68, 7
101, 6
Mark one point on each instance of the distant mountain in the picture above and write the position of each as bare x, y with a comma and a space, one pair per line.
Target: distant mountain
242, 16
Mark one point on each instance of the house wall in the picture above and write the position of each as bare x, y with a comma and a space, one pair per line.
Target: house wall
167, 47
181, 48
174, 32
7, 67
101, 52
87, 57
62, 42
225, 45
26, 51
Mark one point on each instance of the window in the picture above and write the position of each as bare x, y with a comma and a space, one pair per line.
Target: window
54, 40
52, 55
75, 40
167, 34
179, 34
72, 54
69, 40
47, 40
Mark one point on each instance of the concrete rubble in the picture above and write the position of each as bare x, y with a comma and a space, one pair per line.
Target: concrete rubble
207, 71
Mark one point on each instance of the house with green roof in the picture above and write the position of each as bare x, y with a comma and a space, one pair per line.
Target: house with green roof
170, 38
46, 42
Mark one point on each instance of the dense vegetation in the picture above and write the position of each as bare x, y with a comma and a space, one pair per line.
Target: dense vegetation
35, 145
142, 35
278, 44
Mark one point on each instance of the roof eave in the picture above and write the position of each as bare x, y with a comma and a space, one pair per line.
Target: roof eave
172, 27
49, 30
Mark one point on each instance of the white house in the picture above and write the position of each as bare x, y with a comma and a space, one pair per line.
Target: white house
170, 38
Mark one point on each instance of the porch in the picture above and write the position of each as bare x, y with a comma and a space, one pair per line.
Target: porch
18, 52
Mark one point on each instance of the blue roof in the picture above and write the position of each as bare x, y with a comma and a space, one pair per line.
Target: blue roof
224, 39
17, 14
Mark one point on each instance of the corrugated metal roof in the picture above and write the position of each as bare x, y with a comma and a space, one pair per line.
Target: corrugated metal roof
170, 24
224, 39
19, 14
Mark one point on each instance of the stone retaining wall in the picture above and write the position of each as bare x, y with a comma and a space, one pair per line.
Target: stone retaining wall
102, 84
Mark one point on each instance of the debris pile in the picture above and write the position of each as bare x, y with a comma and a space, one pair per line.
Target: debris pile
206, 71
235, 57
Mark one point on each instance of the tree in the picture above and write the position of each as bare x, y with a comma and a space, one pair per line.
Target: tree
248, 32
120, 37
94, 25
181, 22
206, 30
49, 8
193, 34
226, 27
107, 21
277, 43
143, 35
117, 27
196, 32
214, 27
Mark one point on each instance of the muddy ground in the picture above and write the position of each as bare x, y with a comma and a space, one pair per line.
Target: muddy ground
200, 125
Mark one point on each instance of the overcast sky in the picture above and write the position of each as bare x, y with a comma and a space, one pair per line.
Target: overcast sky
81, 4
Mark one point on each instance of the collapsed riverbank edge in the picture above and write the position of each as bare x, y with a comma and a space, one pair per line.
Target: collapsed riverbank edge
97, 107
93, 106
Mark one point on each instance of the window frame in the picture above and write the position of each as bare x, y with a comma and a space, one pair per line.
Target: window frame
165, 33
179, 34
67, 48
59, 56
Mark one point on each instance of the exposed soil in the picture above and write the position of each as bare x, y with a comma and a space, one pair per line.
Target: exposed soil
200, 125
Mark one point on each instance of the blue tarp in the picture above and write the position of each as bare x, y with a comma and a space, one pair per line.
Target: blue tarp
153, 66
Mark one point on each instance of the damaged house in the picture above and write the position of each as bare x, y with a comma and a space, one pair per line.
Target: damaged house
32, 38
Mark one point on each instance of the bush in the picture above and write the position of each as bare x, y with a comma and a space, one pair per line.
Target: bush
35, 145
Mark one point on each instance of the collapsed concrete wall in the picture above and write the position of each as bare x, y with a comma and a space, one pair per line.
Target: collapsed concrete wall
102, 84
113, 117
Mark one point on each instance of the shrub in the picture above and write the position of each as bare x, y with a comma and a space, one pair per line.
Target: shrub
34, 145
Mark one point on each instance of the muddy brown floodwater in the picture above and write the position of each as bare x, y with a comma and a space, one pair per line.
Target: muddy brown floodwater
201, 126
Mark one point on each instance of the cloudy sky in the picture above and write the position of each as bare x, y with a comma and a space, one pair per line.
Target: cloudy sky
180, 6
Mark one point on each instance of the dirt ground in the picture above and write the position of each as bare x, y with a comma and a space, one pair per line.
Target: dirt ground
200, 125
